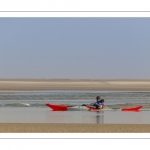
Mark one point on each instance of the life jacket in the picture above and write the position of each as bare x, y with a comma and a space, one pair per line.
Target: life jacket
102, 101
99, 103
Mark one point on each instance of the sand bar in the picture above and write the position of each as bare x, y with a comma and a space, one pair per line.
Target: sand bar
73, 128
74, 84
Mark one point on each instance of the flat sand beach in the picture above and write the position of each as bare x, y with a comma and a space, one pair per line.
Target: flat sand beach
73, 128
6, 85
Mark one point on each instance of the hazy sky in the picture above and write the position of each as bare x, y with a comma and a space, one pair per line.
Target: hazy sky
94, 48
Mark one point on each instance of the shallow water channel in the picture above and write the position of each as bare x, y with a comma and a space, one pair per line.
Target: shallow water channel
29, 107
45, 115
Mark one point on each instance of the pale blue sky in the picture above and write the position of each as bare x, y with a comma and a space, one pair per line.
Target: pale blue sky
91, 48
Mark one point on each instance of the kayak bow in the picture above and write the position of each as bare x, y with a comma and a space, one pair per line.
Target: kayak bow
132, 108
55, 107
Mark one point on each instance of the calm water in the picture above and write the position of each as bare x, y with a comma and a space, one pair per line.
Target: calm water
29, 107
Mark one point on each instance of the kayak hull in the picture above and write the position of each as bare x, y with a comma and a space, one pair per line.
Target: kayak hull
132, 108
93, 108
58, 107
55, 107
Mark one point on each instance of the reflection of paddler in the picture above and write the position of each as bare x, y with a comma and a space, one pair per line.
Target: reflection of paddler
100, 117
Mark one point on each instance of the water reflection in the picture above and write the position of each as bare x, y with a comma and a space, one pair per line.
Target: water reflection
43, 115
100, 117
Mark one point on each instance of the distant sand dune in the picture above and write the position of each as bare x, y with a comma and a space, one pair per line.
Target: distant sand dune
60, 84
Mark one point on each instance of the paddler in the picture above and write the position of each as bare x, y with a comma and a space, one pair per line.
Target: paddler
99, 102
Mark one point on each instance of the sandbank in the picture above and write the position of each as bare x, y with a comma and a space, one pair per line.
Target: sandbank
73, 128
75, 84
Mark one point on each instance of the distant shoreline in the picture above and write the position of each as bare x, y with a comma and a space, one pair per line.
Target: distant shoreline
76, 84
69, 79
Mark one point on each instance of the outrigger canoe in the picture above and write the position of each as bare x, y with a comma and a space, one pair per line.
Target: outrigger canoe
58, 107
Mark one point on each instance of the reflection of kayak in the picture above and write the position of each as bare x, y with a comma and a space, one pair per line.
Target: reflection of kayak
58, 107
132, 108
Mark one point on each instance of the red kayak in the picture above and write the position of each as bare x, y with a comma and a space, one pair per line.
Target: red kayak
59, 107
132, 108
56, 107
93, 108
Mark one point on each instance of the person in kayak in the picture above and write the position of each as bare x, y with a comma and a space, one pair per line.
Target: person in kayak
99, 102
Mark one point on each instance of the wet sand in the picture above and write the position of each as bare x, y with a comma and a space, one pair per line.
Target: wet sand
74, 84
53, 84
73, 128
